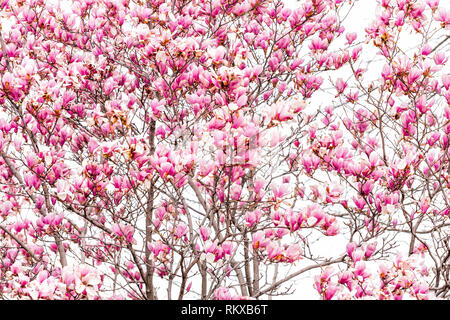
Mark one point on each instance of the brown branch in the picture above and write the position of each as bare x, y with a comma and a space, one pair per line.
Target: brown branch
23, 245
295, 274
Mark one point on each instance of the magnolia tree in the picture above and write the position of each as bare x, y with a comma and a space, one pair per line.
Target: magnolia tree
224, 149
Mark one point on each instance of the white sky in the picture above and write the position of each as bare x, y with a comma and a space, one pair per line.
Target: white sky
360, 17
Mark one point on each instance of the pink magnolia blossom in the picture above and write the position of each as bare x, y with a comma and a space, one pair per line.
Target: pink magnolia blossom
201, 150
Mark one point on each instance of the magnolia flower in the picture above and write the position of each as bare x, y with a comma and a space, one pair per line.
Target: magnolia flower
208, 257
439, 58
351, 37
161, 56
204, 232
